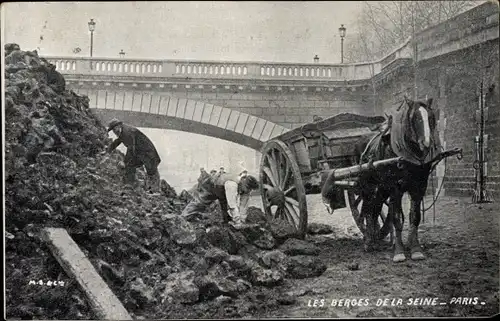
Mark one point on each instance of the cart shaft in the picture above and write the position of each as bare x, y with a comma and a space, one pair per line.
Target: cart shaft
343, 173
337, 177
346, 184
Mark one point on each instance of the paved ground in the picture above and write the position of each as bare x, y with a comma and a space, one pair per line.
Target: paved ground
461, 269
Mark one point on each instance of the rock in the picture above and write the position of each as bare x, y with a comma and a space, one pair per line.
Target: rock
201, 266
223, 299
318, 228
9, 47
180, 287
215, 256
304, 266
185, 196
55, 79
265, 277
223, 280
225, 239
243, 285
275, 260
353, 266
217, 281
281, 230
166, 189
298, 247
286, 300
165, 271
255, 216
180, 230
207, 288
250, 251
141, 293
110, 274
220, 238
15, 57
101, 235
239, 265
258, 236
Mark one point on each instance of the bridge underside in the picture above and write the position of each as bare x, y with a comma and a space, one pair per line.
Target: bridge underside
142, 119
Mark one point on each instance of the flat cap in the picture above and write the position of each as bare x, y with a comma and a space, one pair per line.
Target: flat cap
113, 123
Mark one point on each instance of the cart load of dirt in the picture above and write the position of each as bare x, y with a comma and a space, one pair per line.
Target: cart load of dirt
154, 260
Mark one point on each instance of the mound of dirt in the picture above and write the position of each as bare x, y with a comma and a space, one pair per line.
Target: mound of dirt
152, 258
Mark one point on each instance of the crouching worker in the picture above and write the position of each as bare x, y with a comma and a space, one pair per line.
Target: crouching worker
232, 191
140, 152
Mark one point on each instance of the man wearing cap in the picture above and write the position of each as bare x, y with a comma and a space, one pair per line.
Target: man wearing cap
232, 191
140, 152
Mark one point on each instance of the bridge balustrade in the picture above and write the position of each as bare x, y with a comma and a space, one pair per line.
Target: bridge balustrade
226, 69
208, 69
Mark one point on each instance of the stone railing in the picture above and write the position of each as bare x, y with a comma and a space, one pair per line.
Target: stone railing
213, 69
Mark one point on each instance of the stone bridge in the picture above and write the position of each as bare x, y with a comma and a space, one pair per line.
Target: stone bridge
251, 102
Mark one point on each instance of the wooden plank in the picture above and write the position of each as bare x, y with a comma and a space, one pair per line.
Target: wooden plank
75, 264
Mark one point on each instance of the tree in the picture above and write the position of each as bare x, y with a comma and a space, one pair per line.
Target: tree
384, 25
388, 24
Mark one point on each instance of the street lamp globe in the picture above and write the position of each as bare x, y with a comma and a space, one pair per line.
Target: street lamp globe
91, 25
342, 30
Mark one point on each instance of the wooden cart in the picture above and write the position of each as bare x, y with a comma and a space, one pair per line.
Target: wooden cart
296, 163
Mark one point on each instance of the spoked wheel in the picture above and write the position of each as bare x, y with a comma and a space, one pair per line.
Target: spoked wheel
282, 189
382, 226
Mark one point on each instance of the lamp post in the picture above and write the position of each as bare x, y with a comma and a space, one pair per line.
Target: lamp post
91, 24
122, 53
316, 59
91, 29
342, 35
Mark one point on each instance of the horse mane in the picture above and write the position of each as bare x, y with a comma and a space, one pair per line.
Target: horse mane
413, 102
421, 103
400, 143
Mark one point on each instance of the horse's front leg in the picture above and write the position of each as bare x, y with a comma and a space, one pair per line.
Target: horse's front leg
371, 209
369, 237
413, 243
398, 220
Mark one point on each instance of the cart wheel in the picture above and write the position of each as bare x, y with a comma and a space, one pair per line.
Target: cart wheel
282, 189
382, 227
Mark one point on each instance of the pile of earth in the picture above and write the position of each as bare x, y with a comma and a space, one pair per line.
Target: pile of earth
154, 260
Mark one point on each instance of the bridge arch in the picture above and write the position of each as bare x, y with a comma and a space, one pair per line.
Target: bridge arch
166, 112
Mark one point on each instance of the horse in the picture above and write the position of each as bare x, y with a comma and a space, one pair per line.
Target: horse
410, 135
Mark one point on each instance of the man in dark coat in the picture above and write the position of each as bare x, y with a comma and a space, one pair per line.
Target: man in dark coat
140, 151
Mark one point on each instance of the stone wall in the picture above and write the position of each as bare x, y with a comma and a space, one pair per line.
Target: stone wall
453, 81
290, 108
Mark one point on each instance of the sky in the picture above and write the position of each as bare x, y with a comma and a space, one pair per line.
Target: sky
285, 31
